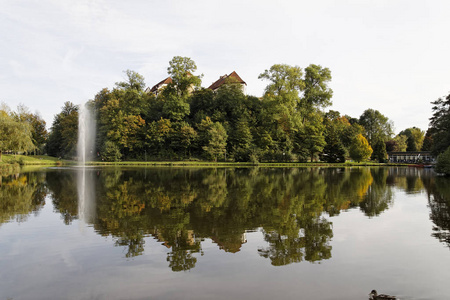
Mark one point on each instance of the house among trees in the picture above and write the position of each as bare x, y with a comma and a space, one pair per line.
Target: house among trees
232, 78
411, 157
156, 89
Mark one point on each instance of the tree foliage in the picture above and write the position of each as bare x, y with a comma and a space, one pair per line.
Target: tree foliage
15, 135
184, 121
443, 162
414, 138
360, 149
377, 127
64, 132
440, 125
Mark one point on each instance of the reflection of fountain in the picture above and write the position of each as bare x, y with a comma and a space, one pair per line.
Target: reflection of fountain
85, 147
86, 195
86, 134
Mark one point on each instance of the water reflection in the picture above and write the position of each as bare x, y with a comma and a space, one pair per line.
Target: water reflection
438, 189
180, 208
21, 195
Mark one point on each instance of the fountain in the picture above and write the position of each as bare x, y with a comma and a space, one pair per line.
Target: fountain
85, 150
86, 134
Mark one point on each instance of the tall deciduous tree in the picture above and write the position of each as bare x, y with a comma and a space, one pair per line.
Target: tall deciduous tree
335, 127
379, 151
415, 138
135, 81
281, 116
14, 135
310, 138
181, 71
217, 141
316, 91
38, 130
376, 126
63, 136
284, 80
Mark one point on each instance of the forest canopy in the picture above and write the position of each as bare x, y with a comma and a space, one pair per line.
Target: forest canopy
180, 120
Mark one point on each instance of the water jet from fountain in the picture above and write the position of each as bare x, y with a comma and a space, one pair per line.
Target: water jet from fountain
86, 134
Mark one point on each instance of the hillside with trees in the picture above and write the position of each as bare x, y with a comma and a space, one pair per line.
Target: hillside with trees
180, 120
184, 121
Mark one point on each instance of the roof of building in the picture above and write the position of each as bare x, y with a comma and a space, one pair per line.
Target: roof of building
156, 86
223, 79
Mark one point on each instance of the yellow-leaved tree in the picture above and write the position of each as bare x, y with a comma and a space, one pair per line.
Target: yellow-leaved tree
360, 149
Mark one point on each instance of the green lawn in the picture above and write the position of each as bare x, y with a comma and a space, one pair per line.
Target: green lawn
30, 160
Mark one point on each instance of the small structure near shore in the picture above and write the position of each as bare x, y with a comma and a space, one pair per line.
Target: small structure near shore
412, 157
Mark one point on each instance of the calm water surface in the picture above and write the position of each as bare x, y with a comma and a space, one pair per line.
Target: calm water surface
166, 233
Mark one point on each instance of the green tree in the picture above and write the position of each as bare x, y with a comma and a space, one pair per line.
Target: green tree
310, 138
217, 141
284, 80
443, 162
360, 149
316, 91
38, 126
63, 135
181, 71
335, 127
14, 135
379, 152
202, 104
183, 137
440, 124
376, 126
428, 140
241, 140
397, 144
135, 82
158, 135
280, 115
415, 138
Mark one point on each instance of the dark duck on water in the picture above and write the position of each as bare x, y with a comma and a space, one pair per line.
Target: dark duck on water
374, 296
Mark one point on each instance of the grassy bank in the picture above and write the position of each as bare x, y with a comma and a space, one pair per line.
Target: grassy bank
42, 160
32, 160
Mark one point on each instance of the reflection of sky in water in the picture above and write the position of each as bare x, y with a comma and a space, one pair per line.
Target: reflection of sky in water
394, 253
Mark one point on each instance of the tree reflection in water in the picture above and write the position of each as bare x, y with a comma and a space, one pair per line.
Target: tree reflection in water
180, 208
438, 189
21, 195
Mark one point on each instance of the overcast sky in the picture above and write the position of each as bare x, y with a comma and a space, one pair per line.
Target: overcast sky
392, 56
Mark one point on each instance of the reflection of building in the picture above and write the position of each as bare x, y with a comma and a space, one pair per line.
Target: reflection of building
231, 243
186, 236
411, 157
232, 78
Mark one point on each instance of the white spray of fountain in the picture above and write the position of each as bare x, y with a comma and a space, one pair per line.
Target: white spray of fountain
85, 152
86, 134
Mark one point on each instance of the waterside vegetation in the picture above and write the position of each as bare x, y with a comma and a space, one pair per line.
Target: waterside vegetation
181, 121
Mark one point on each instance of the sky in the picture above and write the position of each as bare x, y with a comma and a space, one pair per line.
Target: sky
392, 56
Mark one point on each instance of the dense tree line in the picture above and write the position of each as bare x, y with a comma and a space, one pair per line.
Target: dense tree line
186, 121
21, 131
437, 137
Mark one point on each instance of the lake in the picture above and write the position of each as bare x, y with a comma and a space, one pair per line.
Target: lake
224, 233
